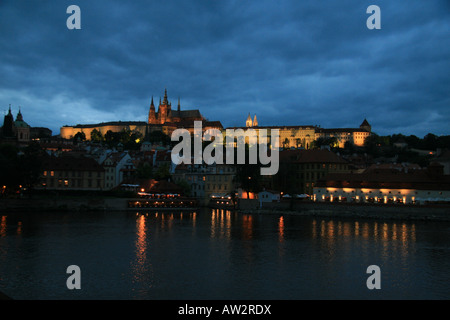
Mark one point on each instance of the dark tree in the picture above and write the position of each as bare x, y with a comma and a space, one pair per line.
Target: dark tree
20, 167
96, 136
144, 170
247, 174
30, 165
163, 172
79, 136
8, 164
159, 137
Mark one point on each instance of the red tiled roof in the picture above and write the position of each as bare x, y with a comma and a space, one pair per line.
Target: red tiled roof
214, 124
70, 163
165, 187
274, 127
143, 183
310, 156
388, 167
365, 123
181, 167
333, 130
416, 179
163, 156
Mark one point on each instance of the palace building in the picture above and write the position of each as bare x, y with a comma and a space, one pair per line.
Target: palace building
165, 119
304, 136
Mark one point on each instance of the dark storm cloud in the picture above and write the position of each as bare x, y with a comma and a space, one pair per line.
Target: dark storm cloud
290, 62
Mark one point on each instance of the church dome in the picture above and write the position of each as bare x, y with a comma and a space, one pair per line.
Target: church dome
19, 123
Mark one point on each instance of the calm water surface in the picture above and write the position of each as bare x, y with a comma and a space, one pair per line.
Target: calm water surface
218, 254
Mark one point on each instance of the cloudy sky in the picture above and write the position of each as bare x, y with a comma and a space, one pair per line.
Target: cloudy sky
289, 62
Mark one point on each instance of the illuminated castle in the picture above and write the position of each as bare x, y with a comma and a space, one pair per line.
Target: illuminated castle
165, 120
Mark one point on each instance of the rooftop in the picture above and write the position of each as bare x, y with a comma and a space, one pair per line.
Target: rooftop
71, 163
310, 156
424, 179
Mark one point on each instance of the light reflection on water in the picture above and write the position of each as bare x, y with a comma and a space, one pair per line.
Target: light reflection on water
3, 226
219, 254
141, 268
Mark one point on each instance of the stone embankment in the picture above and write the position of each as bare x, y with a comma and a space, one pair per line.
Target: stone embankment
373, 211
63, 204
343, 210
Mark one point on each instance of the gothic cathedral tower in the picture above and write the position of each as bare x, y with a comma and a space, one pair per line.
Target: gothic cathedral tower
164, 111
152, 114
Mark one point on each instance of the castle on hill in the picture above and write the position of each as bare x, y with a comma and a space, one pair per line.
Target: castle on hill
165, 119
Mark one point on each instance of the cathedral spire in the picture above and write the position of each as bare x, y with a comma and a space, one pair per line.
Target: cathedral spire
152, 104
179, 107
152, 113
165, 101
19, 116
249, 122
255, 122
8, 125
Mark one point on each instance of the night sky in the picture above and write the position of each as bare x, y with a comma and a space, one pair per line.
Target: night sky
289, 62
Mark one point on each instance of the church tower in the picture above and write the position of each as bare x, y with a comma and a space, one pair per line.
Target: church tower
366, 126
19, 116
22, 128
255, 122
8, 125
152, 114
164, 109
249, 122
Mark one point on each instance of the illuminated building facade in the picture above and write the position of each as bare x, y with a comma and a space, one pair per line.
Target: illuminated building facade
356, 136
301, 169
72, 173
386, 186
304, 136
207, 181
114, 166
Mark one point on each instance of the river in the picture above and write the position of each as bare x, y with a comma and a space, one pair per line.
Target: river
218, 254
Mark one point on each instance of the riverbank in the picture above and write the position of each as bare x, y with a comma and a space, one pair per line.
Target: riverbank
350, 210
63, 204
95, 203
301, 208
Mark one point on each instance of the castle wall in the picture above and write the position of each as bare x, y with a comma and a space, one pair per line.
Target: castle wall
70, 132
